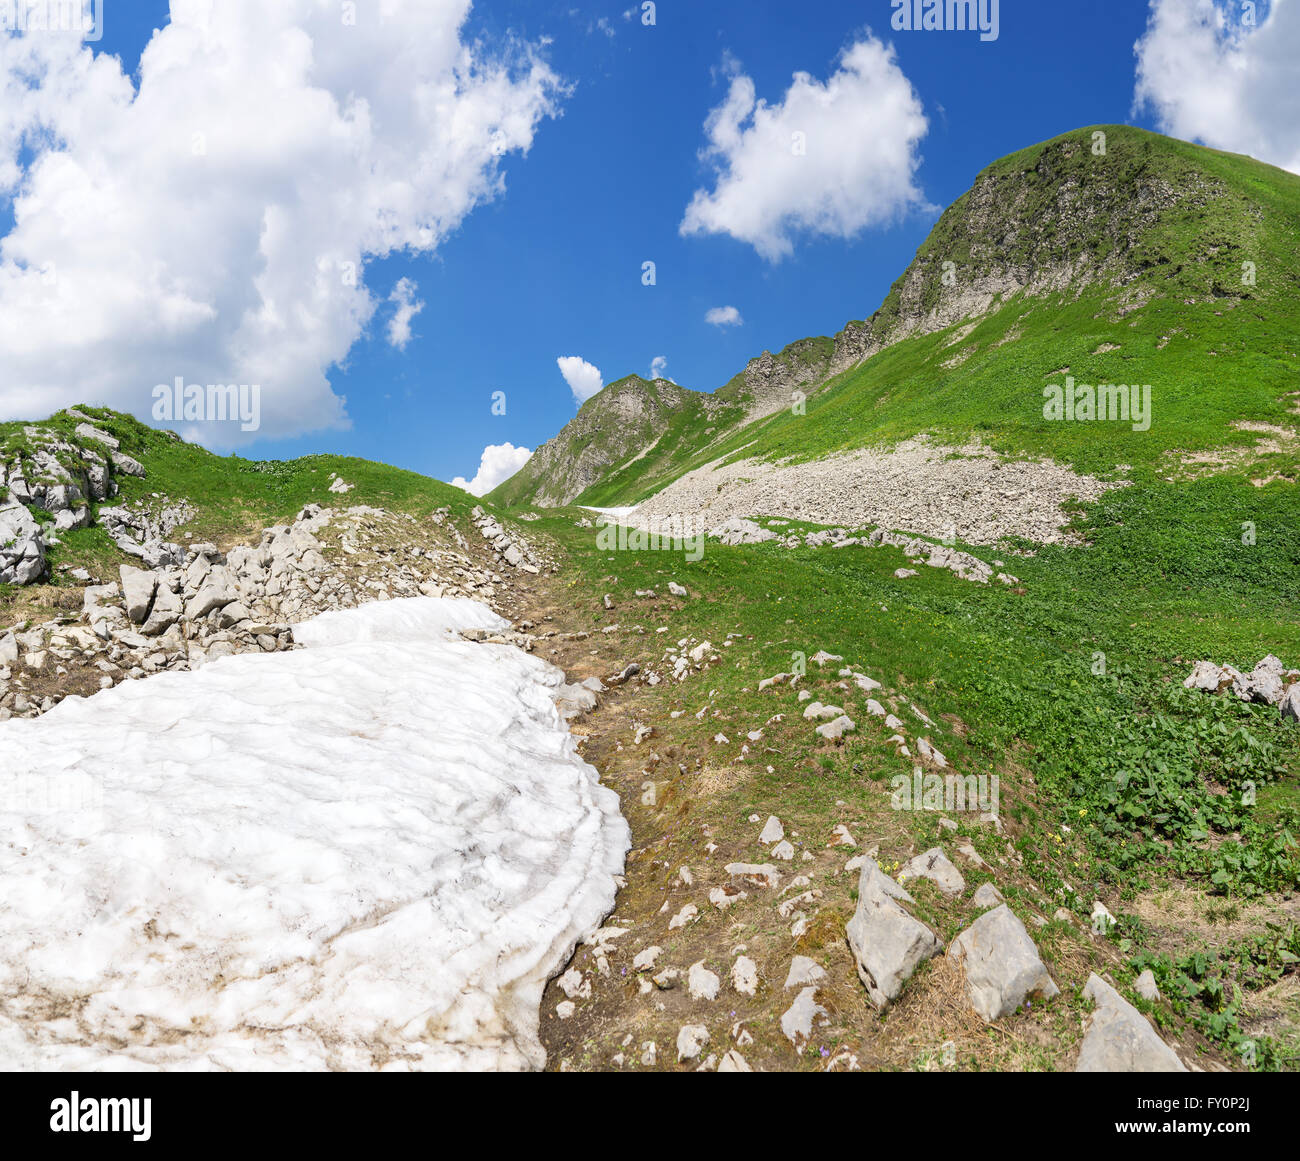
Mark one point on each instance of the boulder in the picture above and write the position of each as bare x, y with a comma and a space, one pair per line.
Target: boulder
797, 1021
1290, 704
1263, 684
760, 875
803, 972
22, 545
1002, 964
935, 866
1146, 987
887, 942
1119, 1038
834, 731
88, 431
138, 588
702, 983
691, 1039
165, 613
1206, 676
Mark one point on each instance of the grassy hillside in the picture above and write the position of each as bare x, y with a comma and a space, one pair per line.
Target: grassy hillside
233, 498
657, 421
1133, 268
1117, 783
1178, 808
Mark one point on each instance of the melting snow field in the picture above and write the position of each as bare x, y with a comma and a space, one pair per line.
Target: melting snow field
371, 852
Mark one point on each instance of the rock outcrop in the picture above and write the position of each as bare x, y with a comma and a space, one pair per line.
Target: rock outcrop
1119, 1038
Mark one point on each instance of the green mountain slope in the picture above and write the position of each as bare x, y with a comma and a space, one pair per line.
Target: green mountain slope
1123, 267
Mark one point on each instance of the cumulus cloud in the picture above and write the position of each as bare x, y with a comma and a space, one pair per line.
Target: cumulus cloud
659, 368
583, 379
831, 158
500, 461
724, 316
1212, 78
408, 306
212, 218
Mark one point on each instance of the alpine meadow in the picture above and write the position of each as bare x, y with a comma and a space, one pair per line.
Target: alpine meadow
922, 696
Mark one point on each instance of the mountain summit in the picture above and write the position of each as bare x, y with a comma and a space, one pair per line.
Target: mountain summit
1109, 255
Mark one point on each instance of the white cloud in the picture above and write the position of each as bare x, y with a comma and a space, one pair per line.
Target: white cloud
831, 158
583, 379
1209, 78
500, 461
724, 316
214, 221
408, 306
659, 368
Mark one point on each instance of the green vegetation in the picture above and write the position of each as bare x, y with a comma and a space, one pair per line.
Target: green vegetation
236, 497
1148, 242
1118, 780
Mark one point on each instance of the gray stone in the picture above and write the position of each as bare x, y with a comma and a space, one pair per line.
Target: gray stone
702, 983
887, 942
213, 595
761, 875
166, 611
1263, 684
22, 545
691, 1038
834, 731
1002, 964
734, 1062
1290, 705
935, 866
1119, 1038
138, 588
804, 971
127, 466
1146, 987
87, 431
797, 1021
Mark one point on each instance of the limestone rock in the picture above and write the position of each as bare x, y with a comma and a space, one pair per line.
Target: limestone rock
138, 587
797, 1020
804, 971
1001, 963
887, 942
744, 975
702, 983
691, 1039
935, 866
1119, 1038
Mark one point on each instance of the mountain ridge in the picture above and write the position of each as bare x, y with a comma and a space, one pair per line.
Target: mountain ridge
1147, 220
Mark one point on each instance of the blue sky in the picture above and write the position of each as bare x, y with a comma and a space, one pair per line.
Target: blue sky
552, 266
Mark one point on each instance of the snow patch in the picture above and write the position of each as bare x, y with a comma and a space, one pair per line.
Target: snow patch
368, 853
